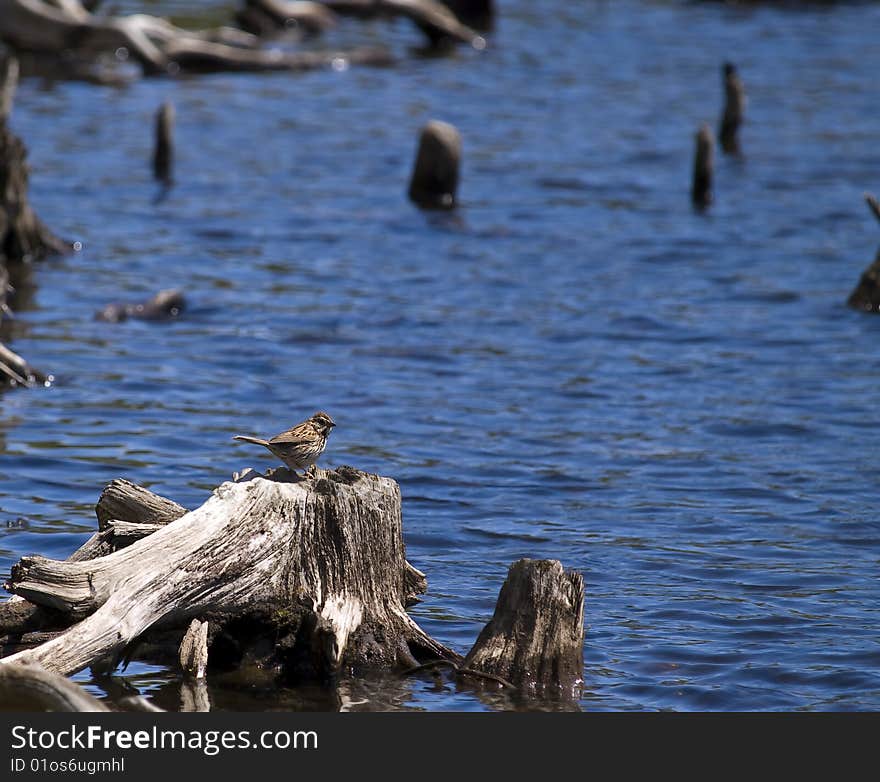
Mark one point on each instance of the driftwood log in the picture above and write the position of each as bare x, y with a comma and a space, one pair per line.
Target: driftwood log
434, 19
165, 305
704, 154
66, 26
434, 180
302, 579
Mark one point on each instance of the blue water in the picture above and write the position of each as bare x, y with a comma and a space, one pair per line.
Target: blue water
575, 365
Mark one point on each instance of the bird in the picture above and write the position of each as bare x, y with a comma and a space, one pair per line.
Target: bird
301, 445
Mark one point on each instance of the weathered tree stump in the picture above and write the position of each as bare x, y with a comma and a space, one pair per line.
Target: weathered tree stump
194, 650
15, 371
433, 18
23, 237
165, 305
734, 109
701, 189
434, 181
535, 639
317, 563
284, 579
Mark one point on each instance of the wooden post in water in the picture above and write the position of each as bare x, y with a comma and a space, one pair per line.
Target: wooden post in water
434, 181
535, 639
734, 109
701, 190
163, 152
303, 577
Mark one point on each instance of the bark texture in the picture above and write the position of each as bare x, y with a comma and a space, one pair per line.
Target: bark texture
321, 561
535, 638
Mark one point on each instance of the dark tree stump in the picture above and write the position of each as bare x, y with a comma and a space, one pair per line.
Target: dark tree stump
734, 109
866, 295
23, 237
701, 189
535, 638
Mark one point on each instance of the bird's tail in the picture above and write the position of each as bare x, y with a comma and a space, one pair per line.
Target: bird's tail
255, 440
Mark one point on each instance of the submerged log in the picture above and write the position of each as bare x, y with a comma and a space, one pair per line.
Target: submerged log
23, 237
165, 305
535, 638
32, 689
434, 181
317, 564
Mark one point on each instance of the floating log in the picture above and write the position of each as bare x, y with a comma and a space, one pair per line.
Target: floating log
734, 109
535, 638
701, 190
31, 688
434, 181
165, 305
163, 149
